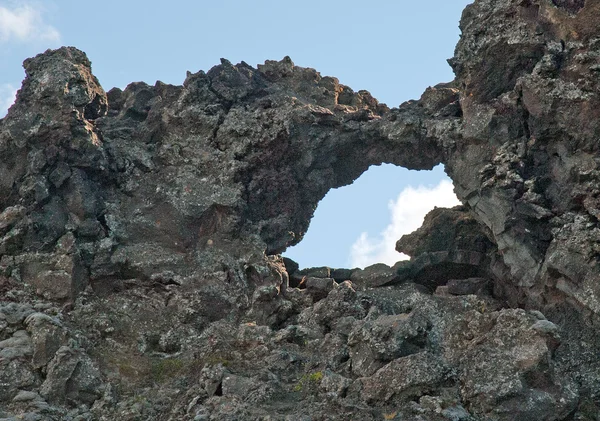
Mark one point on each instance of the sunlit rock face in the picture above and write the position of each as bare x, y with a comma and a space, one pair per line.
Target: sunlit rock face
157, 215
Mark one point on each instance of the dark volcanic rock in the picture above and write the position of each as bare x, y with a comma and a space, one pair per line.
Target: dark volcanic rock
528, 141
444, 230
468, 286
373, 276
450, 244
153, 217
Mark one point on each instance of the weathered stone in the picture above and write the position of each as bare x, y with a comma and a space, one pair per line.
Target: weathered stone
504, 368
334, 385
17, 346
373, 276
403, 378
341, 275
290, 266
319, 272
252, 390
339, 303
445, 230
376, 341
449, 244
211, 378
434, 268
26, 396
15, 313
55, 276
47, 336
318, 288
467, 286
72, 376
10, 216
15, 375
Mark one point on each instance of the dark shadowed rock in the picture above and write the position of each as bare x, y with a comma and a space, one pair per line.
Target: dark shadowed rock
450, 244
469, 286
373, 276
445, 230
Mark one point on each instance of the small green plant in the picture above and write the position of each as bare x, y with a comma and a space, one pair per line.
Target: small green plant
308, 381
216, 360
126, 369
163, 370
316, 377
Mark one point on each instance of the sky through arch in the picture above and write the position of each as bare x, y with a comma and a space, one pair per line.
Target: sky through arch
358, 225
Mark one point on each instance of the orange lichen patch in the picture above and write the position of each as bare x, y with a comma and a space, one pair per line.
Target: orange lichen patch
90, 128
390, 416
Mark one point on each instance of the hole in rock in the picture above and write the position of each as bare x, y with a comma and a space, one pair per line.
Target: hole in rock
358, 225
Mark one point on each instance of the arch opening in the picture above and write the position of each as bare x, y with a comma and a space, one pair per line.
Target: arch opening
356, 226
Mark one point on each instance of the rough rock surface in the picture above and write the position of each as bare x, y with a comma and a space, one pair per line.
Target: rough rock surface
140, 233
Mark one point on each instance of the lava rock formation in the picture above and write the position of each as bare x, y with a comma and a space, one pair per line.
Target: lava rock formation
141, 232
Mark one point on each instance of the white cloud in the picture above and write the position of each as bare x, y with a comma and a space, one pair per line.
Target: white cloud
25, 24
7, 97
407, 214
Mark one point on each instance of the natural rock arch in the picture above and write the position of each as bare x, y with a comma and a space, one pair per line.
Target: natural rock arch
236, 159
233, 156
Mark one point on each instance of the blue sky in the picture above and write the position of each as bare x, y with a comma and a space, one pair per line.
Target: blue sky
394, 49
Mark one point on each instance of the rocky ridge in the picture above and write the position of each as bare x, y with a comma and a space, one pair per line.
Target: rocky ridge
140, 233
